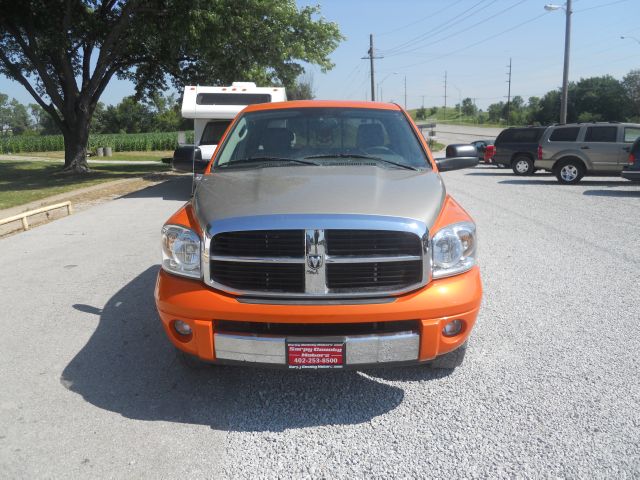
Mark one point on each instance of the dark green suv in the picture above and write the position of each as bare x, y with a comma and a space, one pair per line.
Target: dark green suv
517, 148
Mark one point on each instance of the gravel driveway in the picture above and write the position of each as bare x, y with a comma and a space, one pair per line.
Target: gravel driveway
550, 386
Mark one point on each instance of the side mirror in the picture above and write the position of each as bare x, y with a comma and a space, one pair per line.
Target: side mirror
188, 158
458, 156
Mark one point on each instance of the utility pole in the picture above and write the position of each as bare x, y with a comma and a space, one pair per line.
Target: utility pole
445, 96
509, 96
422, 101
405, 92
565, 72
370, 56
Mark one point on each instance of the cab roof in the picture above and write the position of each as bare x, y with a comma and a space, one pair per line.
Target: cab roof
321, 104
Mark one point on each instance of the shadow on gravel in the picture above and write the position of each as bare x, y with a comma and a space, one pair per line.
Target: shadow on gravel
613, 193
176, 188
419, 373
129, 367
594, 183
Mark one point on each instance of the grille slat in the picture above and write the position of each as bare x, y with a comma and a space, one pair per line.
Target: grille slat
371, 242
268, 277
373, 275
265, 243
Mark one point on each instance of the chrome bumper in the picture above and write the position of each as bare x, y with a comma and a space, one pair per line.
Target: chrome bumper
359, 349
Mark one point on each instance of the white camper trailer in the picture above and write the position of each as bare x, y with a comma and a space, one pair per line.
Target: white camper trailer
213, 109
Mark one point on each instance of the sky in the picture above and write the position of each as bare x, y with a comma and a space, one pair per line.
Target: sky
471, 40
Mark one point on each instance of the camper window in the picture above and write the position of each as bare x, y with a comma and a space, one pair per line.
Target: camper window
213, 132
232, 98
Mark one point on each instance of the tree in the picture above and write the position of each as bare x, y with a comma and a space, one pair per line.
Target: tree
129, 116
604, 98
302, 89
66, 55
631, 85
496, 111
421, 113
14, 117
468, 107
44, 123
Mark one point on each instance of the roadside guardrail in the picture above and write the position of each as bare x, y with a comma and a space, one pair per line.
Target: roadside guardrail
23, 216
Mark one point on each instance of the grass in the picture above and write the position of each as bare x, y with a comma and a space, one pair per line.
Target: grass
436, 146
129, 156
27, 181
453, 116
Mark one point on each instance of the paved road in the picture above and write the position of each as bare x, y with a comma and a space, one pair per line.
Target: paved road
90, 386
447, 134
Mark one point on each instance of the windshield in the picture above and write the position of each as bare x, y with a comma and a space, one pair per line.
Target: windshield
213, 132
322, 136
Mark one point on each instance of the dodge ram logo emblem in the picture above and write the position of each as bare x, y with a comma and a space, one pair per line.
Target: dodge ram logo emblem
314, 261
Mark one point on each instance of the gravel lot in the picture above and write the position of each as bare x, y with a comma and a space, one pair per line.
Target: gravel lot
550, 386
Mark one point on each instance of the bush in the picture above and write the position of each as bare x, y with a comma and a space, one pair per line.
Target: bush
119, 142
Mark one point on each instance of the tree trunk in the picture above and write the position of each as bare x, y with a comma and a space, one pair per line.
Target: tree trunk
75, 147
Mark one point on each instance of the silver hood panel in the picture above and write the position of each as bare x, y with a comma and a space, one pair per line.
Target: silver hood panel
326, 190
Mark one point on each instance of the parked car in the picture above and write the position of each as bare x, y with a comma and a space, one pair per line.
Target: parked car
573, 150
486, 150
631, 171
321, 236
517, 148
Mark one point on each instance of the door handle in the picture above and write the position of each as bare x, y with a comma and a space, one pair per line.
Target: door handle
585, 148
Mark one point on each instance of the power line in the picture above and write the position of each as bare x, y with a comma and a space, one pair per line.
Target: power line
600, 6
430, 16
477, 23
442, 27
475, 43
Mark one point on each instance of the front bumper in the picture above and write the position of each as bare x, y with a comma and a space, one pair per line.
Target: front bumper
431, 307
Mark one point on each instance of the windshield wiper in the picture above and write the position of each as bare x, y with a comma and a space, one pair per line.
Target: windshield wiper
365, 157
265, 159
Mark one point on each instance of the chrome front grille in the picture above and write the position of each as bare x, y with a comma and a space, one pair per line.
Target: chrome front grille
322, 262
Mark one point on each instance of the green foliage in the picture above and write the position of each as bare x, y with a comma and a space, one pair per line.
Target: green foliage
302, 89
421, 113
118, 142
468, 107
631, 85
14, 117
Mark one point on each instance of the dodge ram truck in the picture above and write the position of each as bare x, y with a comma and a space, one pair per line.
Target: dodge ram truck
321, 236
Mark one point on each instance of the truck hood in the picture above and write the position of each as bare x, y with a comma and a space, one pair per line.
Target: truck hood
360, 190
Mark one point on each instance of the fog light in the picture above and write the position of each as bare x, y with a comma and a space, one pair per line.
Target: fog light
452, 328
182, 328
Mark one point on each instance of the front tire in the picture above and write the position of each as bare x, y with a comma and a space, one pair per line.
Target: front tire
569, 172
451, 359
522, 165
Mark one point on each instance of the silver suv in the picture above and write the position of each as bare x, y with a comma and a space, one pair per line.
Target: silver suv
570, 151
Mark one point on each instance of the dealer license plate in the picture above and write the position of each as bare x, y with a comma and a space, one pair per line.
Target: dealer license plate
315, 355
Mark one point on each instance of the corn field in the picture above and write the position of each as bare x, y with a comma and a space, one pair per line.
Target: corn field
119, 142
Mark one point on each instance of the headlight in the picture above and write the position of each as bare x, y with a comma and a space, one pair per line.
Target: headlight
454, 249
181, 251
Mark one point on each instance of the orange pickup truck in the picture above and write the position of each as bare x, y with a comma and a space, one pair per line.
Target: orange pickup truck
321, 236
